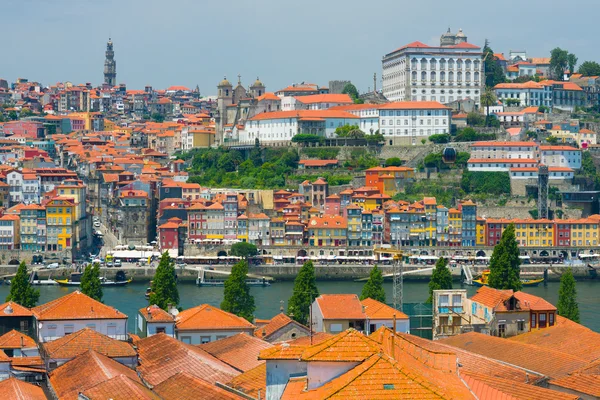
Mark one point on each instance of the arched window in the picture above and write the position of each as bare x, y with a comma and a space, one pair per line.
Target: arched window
459, 77
459, 65
468, 64
423, 76
468, 77
433, 76
450, 64
476, 76
442, 64
476, 65
414, 76
433, 64
424, 63
451, 76
443, 76
413, 63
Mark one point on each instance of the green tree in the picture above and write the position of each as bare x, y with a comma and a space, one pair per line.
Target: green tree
572, 61
567, 297
25, 112
243, 249
373, 288
475, 119
21, 291
157, 117
560, 60
589, 68
306, 138
492, 70
236, 295
13, 116
393, 162
488, 99
552, 139
349, 131
351, 91
304, 293
90, 282
441, 278
504, 263
439, 138
164, 284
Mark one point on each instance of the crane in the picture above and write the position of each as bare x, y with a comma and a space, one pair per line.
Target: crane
397, 273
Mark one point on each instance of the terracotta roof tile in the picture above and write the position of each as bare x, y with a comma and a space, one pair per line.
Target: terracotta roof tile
340, 306
378, 310
185, 386
580, 383
489, 388
75, 305
349, 345
154, 313
120, 387
207, 317
274, 324
16, 340
15, 389
251, 382
86, 371
240, 351
541, 360
79, 342
162, 356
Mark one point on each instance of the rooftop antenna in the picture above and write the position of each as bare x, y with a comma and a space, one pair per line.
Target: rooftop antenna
375, 82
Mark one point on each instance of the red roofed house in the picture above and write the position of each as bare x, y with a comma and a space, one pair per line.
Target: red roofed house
152, 320
334, 313
280, 328
168, 234
206, 323
317, 164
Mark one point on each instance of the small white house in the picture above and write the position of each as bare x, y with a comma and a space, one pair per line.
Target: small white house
153, 319
206, 323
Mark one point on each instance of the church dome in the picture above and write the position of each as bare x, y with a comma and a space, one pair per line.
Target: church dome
224, 82
257, 82
460, 33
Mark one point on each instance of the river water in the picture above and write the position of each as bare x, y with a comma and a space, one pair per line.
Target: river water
130, 299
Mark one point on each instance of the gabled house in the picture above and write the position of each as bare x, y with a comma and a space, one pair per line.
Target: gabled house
206, 323
280, 328
501, 311
334, 313
15, 316
380, 314
76, 311
152, 320
13, 388
17, 344
239, 351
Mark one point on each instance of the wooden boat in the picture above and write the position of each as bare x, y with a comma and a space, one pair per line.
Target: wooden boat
75, 280
221, 282
483, 280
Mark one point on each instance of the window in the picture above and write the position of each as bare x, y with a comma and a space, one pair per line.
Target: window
551, 319
69, 329
521, 325
502, 330
533, 321
160, 329
335, 328
204, 339
186, 339
542, 320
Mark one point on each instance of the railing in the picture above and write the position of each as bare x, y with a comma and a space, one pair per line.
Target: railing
448, 329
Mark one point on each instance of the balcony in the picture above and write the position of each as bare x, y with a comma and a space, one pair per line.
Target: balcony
448, 330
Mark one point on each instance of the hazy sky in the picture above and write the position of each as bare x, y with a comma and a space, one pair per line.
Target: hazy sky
189, 42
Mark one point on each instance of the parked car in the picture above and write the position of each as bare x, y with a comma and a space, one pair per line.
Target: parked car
110, 264
52, 266
97, 224
118, 263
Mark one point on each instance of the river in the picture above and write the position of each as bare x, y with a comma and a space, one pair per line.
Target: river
130, 299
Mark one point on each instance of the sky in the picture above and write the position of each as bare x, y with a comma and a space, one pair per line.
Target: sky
196, 42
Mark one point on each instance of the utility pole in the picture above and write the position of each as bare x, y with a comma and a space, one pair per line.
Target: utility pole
398, 283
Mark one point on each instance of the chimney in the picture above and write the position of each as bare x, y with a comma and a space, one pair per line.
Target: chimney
22, 342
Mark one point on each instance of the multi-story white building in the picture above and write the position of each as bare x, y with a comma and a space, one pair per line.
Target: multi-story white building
407, 122
529, 93
450, 72
561, 156
368, 114
504, 150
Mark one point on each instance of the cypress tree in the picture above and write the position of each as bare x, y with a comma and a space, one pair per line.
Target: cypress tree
236, 297
504, 263
305, 292
441, 278
21, 291
90, 282
373, 288
567, 297
164, 285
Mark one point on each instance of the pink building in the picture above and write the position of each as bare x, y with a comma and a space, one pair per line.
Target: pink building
28, 129
333, 205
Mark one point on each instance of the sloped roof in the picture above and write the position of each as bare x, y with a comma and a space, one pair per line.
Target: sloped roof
239, 351
293, 349
493, 298
120, 387
340, 306
162, 356
251, 382
75, 305
185, 386
16, 340
581, 383
16, 389
376, 310
486, 387
154, 313
349, 345
79, 342
86, 371
207, 317
275, 324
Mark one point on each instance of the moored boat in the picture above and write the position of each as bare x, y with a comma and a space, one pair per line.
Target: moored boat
75, 280
484, 278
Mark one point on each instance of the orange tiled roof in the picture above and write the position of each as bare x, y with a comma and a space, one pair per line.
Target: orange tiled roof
163, 356
534, 303
251, 382
579, 383
120, 387
303, 114
348, 346
325, 98
274, 324
84, 372
376, 310
13, 388
494, 298
490, 387
16, 340
328, 221
79, 342
541, 360
293, 350
413, 105
154, 313
340, 306
207, 317
186, 386
75, 305
240, 351
15, 310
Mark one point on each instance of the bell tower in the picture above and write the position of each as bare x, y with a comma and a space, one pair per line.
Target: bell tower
110, 65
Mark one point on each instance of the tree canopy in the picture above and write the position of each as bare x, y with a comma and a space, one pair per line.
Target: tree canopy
349, 131
90, 282
304, 293
243, 249
504, 263
21, 291
494, 74
351, 91
236, 295
589, 68
393, 162
560, 61
567, 297
494, 183
164, 284
373, 288
441, 278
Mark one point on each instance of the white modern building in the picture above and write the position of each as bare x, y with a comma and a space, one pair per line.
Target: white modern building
561, 156
504, 150
407, 122
448, 73
368, 114
529, 93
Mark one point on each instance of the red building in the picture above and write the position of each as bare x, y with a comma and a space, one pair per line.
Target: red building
333, 205
168, 234
197, 222
28, 129
494, 231
563, 234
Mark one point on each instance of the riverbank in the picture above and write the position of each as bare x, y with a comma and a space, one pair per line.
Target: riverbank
287, 272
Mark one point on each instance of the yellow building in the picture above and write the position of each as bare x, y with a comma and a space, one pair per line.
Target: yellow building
584, 232
242, 228
202, 137
534, 232
454, 227
430, 225
480, 232
88, 118
60, 215
329, 230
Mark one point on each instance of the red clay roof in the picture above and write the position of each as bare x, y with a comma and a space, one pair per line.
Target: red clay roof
207, 317
347, 346
376, 310
162, 356
413, 105
79, 342
15, 389
275, 324
318, 163
340, 306
494, 298
325, 98
16, 340
240, 351
580, 383
120, 387
487, 387
185, 386
154, 313
84, 372
251, 382
75, 305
